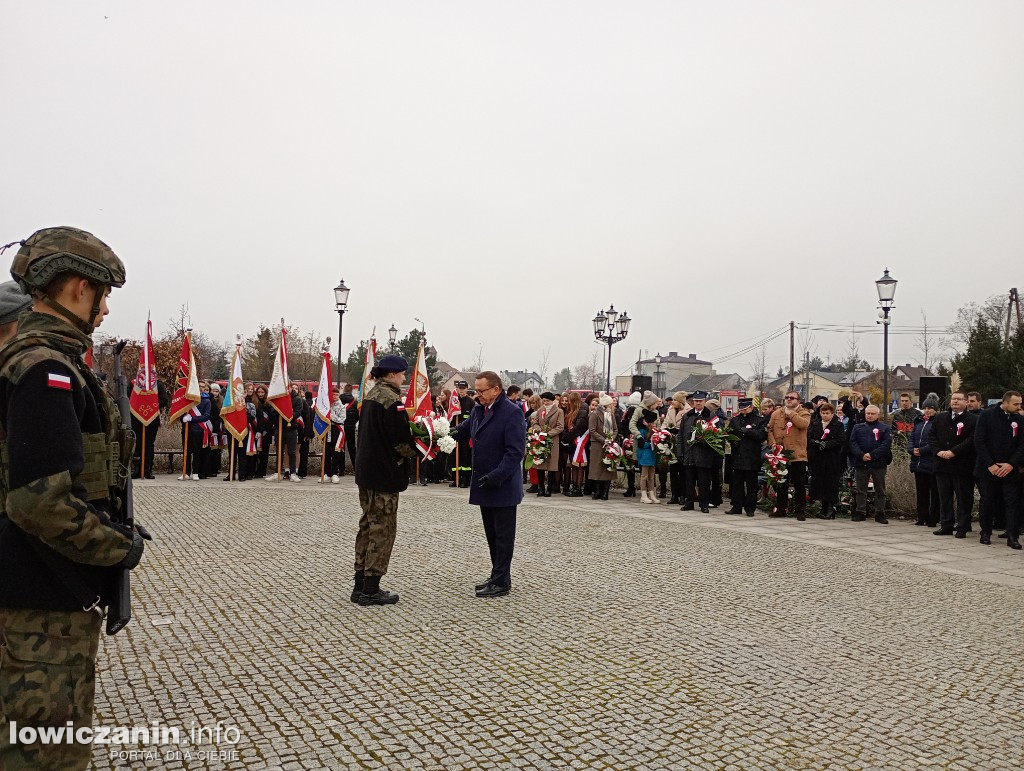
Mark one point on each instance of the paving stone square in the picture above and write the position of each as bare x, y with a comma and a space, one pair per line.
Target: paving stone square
634, 637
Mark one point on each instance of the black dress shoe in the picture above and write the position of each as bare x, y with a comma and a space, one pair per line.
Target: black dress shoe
985, 540
686, 507
1013, 543
532, 489
750, 513
857, 518
734, 510
705, 510
942, 531
921, 524
1004, 534
493, 590
778, 515
149, 476
960, 534
880, 519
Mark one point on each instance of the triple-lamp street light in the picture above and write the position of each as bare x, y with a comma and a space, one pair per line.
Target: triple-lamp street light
886, 286
610, 328
340, 305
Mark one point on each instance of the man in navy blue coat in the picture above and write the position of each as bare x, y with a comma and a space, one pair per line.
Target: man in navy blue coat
999, 455
498, 430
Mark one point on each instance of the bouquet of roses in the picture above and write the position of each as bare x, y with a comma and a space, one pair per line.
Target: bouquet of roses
538, 449
432, 433
776, 464
713, 434
628, 453
664, 446
612, 455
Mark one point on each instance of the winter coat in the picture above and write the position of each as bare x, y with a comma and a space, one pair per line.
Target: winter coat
599, 472
946, 435
645, 455
998, 438
825, 460
550, 420
385, 441
796, 438
698, 454
863, 441
580, 426
919, 439
752, 430
498, 433
195, 425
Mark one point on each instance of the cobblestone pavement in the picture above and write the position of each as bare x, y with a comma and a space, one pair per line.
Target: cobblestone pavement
634, 637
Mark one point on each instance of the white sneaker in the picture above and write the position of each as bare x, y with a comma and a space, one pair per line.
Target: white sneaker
270, 478
296, 478
182, 478
335, 479
195, 477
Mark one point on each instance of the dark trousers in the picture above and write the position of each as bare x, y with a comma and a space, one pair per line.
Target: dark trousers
303, 457
716, 480
743, 490
350, 445
860, 482
697, 482
144, 449
961, 488
798, 478
927, 498
1000, 499
500, 529
334, 460
263, 458
194, 462
675, 474
662, 479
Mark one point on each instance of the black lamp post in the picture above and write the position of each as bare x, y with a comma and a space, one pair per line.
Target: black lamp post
886, 286
610, 328
658, 386
340, 305
392, 334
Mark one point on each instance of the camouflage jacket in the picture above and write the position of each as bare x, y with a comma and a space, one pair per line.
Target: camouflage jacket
385, 444
61, 452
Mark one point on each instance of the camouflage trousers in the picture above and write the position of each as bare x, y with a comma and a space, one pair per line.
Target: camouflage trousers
47, 678
377, 529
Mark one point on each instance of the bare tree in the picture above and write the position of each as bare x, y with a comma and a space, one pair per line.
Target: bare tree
759, 367
992, 310
925, 342
587, 375
477, 365
544, 366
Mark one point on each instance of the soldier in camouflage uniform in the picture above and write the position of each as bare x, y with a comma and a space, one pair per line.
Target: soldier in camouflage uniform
61, 453
382, 472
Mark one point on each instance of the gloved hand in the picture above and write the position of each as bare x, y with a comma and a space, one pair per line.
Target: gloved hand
485, 483
186, 419
142, 531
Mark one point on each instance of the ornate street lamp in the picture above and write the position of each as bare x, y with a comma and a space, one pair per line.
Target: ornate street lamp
609, 328
886, 287
392, 334
340, 305
658, 386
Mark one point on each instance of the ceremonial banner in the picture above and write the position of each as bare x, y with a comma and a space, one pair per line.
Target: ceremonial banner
322, 405
454, 407
417, 399
278, 395
144, 403
233, 411
369, 364
186, 382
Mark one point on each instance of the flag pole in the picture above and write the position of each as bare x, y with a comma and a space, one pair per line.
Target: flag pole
417, 471
142, 455
231, 460
184, 452
323, 454
280, 435
458, 463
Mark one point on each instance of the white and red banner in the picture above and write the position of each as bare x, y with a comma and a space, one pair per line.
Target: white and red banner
186, 382
368, 364
454, 407
579, 455
417, 400
278, 395
233, 411
322, 405
144, 403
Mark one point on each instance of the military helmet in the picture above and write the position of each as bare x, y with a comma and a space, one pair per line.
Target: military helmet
51, 251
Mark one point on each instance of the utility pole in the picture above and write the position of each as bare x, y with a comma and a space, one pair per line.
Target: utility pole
792, 353
807, 376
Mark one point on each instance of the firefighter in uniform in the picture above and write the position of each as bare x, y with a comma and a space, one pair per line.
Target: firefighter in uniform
62, 451
463, 461
382, 472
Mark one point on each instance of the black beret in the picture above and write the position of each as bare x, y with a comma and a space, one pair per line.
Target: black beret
548, 395
393, 363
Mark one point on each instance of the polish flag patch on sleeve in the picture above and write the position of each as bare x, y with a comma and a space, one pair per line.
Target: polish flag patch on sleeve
63, 382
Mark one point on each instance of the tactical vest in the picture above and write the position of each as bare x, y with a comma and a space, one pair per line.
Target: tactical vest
107, 454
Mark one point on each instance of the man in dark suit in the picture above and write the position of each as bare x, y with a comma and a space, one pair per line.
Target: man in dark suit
498, 430
952, 443
999, 455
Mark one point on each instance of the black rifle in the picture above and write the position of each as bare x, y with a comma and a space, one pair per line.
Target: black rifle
120, 611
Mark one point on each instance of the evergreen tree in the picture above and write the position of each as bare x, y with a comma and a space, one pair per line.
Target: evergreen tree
985, 367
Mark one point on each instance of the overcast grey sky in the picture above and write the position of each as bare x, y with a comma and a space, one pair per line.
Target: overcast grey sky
502, 170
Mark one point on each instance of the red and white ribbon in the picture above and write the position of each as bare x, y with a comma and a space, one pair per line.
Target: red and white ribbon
426, 448
580, 454
959, 428
789, 425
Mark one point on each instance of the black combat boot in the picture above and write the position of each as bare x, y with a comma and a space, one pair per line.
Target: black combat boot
542, 477
606, 486
357, 587
374, 595
630, 484
552, 484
